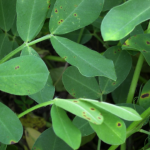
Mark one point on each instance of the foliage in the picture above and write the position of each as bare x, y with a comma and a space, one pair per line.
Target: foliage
26, 71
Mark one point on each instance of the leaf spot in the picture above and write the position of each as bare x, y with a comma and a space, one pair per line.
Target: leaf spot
145, 95
92, 108
148, 42
56, 11
75, 101
119, 124
17, 67
99, 117
144, 51
75, 14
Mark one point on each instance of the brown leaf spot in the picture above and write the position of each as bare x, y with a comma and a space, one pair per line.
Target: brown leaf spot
115, 52
145, 95
114, 83
83, 112
17, 67
56, 11
61, 20
89, 118
118, 124
92, 108
148, 42
75, 5
60, 7
144, 51
75, 101
99, 117
49, 6
75, 14
84, 115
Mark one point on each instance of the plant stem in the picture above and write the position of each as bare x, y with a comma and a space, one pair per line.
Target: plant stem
55, 58
99, 144
123, 146
135, 79
35, 107
80, 35
22, 46
135, 126
143, 131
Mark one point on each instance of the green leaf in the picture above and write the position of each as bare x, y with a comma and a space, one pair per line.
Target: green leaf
80, 86
29, 51
80, 108
3, 146
48, 139
64, 128
86, 36
119, 22
112, 130
141, 43
145, 96
83, 126
23, 75
89, 62
52, 2
5, 45
11, 129
31, 15
46, 94
121, 61
108, 4
7, 14
122, 112
68, 15
14, 28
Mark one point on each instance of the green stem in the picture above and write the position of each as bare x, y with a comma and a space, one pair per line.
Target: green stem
135, 126
24, 45
80, 35
35, 107
135, 79
123, 146
99, 144
55, 58
143, 131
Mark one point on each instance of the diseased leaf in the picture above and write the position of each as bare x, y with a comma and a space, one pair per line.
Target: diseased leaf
122, 112
123, 62
64, 128
23, 75
89, 62
31, 15
80, 108
121, 20
112, 130
80, 86
68, 15
7, 14
11, 129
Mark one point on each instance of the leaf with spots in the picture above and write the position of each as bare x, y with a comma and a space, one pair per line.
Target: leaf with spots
29, 51
11, 129
48, 139
69, 15
64, 128
144, 99
122, 112
123, 62
46, 94
122, 19
5, 45
31, 15
90, 63
140, 42
80, 108
83, 125
112, 131
7, 14
23, 75
80, 86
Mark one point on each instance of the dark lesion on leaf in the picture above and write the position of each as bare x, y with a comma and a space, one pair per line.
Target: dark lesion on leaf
148, 42
17, 67
145, 95
119, 124
12, 142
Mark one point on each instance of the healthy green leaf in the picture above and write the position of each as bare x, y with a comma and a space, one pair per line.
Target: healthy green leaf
48, 139
3, 146
64, 128
80, 86
23, 75
46, 94
112, 130
11, 129
121, 20
80, 108
141, 43
14, 28
31, 15
123, 62
89, 62
29, 51
83, 126
7, 14
68, 15
5, 45
122, 112
145, 96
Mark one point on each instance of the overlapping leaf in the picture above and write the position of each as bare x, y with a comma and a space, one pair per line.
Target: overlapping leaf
29, 51
80, 86
23, 75
30, 17
122, 112
11, 129
89, 62
64, 128
140, 43
121, 61
121, 20
68, 15
80, 108
7, 14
